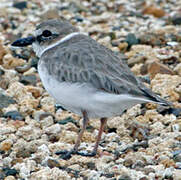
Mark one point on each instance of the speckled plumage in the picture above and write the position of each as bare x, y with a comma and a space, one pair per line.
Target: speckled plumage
83, 60
84, 76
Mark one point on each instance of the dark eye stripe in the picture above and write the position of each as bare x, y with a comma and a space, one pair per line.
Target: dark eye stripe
39, 38
44, 36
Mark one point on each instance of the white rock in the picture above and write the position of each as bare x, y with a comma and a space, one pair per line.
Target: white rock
54, 173
157, 127
75, 167
10, 178
11, 75
7, 161
104, 163
102, 17
175, 127
44, 148
24, 171
177, 174
54, 129
134, 111
172, 43
46, 122
112, 137
57, 146
168, 172
94, 175
31, 71
45, 161
29, 133
5, 129
178, 68
11, 107
47, 104
151, 175
148, 159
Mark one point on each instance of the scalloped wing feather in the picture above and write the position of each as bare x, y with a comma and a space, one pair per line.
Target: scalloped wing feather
90, 62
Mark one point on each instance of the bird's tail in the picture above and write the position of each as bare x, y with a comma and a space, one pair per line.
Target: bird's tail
155, 98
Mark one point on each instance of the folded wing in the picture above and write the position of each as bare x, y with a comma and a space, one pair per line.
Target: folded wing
98, 66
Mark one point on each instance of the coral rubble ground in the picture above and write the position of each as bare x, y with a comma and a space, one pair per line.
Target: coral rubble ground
143, 143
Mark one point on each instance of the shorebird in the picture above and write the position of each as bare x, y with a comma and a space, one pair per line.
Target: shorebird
84, 76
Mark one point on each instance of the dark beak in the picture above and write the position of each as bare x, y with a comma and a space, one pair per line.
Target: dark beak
23, 41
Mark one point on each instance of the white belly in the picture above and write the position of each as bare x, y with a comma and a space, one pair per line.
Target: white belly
82, 96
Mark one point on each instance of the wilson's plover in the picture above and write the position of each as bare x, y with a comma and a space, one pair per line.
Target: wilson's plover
84, 76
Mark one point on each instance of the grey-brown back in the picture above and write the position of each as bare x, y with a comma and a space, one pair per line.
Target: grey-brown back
82, 59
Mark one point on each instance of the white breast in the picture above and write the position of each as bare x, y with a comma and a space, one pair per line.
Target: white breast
82, 96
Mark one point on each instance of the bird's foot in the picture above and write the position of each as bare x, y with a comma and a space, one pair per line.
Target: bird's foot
64, 154
93, 153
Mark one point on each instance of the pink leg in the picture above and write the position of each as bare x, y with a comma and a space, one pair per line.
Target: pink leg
84, 125
101, 129
67, 154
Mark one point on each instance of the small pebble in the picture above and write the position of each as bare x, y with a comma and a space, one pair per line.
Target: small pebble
67, 120
53, 163
15, 115
20, 5
10, 172
176, 20
5, 101
29, 79
131, 39
10, 178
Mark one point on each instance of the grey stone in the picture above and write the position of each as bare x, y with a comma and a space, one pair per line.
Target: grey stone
5, 101
29, 79
14, 115
20, 5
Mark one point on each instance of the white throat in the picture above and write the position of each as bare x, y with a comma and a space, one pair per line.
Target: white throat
39, 50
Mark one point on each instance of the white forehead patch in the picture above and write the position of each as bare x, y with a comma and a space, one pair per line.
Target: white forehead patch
37, 32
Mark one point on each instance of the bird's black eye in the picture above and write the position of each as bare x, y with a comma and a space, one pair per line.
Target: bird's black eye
46, 33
